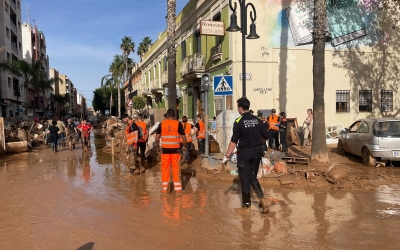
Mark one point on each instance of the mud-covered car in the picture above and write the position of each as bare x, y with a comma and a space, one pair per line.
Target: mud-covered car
374, 139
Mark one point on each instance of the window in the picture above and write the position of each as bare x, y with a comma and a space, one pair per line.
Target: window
9, 82
20, 46
183, 48
8, 56
342, 100
165, 63
354, 127
154, 72
386, 100
198, 42
11, 113
19, 5
363, 128
365, 101
218, 39
6, 6
8, 33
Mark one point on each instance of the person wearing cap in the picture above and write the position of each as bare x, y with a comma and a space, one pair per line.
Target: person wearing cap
283, 132
142, 140
273, 127
248, 132
187, 127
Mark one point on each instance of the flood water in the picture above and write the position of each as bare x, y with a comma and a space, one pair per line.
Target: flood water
68, 200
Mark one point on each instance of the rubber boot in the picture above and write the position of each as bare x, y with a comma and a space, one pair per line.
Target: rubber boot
246, 200
55, 148
260, 194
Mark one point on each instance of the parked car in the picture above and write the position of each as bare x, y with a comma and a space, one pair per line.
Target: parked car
374, 139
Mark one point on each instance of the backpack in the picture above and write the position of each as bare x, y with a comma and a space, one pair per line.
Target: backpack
140, 132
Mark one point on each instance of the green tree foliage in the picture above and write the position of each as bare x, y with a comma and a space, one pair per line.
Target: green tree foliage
144, 46
138, 102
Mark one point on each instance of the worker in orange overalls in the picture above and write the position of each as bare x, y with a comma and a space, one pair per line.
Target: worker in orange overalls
187, 127
201, 134
171, 132
273, 125
131, 135
142, 138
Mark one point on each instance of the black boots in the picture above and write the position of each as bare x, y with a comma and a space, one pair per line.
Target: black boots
246, 200
260, 194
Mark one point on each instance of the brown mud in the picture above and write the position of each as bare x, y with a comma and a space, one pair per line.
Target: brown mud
70, 200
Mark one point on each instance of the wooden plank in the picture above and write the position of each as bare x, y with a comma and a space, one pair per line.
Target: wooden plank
301, 160
2, 137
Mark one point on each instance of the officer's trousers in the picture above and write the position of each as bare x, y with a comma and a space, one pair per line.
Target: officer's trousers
273, 136
248, 164
166, 161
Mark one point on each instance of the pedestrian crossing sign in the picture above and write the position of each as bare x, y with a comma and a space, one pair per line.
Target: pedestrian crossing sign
223, 85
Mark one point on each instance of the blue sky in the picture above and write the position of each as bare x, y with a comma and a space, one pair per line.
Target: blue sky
82, 36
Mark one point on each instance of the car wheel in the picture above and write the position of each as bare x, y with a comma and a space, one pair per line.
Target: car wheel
340, 148
368, 160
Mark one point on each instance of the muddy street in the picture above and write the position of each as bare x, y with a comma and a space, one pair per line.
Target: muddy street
70, 200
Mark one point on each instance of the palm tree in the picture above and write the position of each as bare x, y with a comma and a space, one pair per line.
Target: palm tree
108, 83
61, 99
41, 84
171, 16
27, 71
117, 69
144, 46
127, 46
319, 150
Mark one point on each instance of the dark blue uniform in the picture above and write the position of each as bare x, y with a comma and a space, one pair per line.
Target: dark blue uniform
248, 132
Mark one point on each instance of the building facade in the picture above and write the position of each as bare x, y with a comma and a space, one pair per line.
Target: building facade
361, 69
11, 90
195, 55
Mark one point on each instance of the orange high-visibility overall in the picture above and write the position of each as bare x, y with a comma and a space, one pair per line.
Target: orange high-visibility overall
130, 136
143, 125
187, 127
202, 132
170, 139
272, 121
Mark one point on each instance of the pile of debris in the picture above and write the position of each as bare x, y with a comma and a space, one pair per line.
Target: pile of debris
33, 133
114, 131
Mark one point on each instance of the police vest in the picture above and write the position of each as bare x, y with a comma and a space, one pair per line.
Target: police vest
142, 125
202, 132
130, 136
272, 121
187, 127
170, 138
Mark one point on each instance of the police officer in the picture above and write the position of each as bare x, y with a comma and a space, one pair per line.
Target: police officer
248, 131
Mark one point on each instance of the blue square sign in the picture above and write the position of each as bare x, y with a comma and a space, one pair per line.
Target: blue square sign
223, 85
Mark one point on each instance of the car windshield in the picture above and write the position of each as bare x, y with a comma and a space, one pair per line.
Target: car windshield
387, 129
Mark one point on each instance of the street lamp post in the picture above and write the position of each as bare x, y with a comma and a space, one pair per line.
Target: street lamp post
233, 27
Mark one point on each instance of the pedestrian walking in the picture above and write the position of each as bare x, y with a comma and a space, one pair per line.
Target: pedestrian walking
283, 132
53, 131
248, 132
171, 133
61, 127
142, 139
201, 134
273, 127
131, 136
71, 133
85, 131
187, 127
308, 127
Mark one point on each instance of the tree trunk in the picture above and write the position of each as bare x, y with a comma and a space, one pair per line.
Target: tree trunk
110, 104
319, 150
171, 8
119, 100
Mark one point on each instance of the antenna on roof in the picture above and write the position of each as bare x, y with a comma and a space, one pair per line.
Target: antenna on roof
27, 13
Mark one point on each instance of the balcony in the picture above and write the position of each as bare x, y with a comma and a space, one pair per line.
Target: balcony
192, 65
216, 53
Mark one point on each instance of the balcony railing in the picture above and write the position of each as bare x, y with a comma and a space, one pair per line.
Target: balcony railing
216, 52
192, 64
